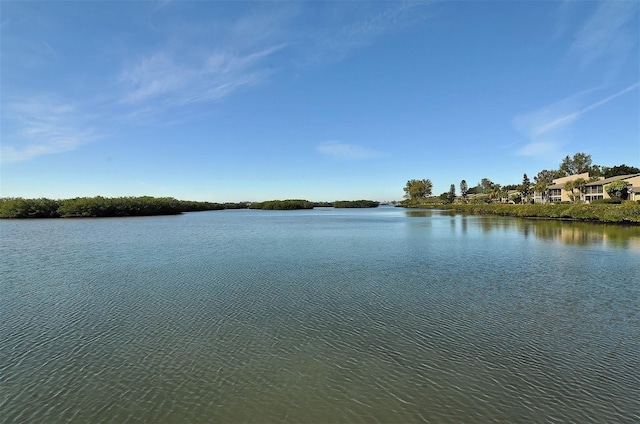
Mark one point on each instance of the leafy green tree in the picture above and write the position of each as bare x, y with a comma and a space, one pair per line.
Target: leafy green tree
546, 176
485, 185
579, 163
618, 189
445, 198
464, 190
542, 180
496, 193
575, 188
525, 189
451, 195
580, 184
569, 187
542, 188
475, 190
418, 189
623, 169
28, 208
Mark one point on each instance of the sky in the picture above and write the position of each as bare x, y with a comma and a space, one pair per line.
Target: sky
229, 101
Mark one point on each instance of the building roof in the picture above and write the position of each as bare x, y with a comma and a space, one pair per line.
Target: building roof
563, 180
612, 179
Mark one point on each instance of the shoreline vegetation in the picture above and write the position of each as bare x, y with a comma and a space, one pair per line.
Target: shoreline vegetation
625, 213
577, 190
103, 207
97, 207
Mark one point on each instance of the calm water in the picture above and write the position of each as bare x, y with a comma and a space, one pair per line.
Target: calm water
383, 315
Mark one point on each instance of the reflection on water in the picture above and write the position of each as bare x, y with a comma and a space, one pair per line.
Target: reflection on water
585, 233
423, 213
567, 232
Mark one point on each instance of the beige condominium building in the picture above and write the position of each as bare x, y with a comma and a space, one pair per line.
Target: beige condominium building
594, 190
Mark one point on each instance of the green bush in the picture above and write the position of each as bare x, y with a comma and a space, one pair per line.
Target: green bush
240, 205
120, 206
28, 208
628, 212
356, 204
609, 201
289, 204
99, 207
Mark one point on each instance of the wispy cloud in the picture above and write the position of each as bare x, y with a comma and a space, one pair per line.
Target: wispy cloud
607, 36
186, 70
602, 42
197, 62
543, 125
212, 76
45, 125
346, 151
569, 118
354, 25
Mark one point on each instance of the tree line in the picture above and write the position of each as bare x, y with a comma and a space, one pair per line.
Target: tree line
102, 207
289, 204
94, 207
356, 204
293, 204
579, 163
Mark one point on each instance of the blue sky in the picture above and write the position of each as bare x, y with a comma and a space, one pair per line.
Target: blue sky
233, 101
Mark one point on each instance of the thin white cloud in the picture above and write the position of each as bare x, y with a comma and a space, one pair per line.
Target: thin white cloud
535, 123
198, 63
605, 30
340, 150
188, 69
354, 25
604, 40
607, 38
44, 125
559, 115
543, 125
211, 77
571, 117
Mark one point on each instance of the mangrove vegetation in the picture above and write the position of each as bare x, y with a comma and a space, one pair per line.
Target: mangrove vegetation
289, 204
97, 207
100, 207
356, 204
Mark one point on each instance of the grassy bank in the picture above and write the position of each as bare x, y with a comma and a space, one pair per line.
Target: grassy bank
626, 213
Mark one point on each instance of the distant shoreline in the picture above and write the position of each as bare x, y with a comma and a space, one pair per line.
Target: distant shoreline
626, 213
112, 207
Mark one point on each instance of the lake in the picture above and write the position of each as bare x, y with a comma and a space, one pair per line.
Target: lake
380, 315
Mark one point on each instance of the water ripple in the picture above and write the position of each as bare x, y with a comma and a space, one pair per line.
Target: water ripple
337, 319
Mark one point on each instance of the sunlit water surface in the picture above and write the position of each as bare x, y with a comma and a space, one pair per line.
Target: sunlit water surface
383, 315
